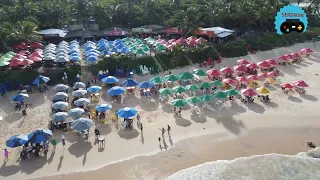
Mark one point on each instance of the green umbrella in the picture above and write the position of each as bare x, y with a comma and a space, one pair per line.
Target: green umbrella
205, 85
178, 102
11, 53
7, 56
200, 72
220, 95
161, 47
232, 92
165, 91
217, 83
192, 87
171, 77
206, 97
186, 75
194, 100
145, 49
3, 63
140, 52
157, 80
5, 59
179, 89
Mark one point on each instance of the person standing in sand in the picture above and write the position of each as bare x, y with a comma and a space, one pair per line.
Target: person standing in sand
169, 129
159, 139
141, 127
163, 131
63, 139
6, 155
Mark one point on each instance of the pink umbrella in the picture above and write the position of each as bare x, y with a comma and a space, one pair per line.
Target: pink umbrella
36, 45
192, 43
38, 50
19, 56
253, 77
22, 52
283, 57
35, 59
252, 66
272, 74
264, 64
249, 92
287, 85
201, 40
214, 72
20, 46
243, 62
272, 62
170, 46
289, 56
15, 62
171, 41
229, 81
242, 79
296, 55
263, 75
36, 54
308, 50
227, 70
181, 40
240, 68
301, 83
26, 62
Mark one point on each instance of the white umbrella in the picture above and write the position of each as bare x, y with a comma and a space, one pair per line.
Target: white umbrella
61, 59
49, 58
82, 102
79, 93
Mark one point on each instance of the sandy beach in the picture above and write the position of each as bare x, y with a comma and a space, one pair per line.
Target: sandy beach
234, 131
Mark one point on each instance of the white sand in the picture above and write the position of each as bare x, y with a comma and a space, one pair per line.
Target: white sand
284, 111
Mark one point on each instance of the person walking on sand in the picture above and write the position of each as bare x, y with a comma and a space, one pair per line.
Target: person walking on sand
169, 129
159, 139
163, 131
141, 127
6, 155
54, 143
63, 139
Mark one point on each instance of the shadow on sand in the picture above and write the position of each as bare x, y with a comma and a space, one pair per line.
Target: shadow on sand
309, 97
80, 148
128, 134
256, 108
294, 99
198, 118
180, 121
228, 122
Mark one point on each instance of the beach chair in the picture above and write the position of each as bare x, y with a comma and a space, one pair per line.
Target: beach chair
93, 114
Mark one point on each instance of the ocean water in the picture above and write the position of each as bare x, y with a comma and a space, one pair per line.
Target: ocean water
261, 167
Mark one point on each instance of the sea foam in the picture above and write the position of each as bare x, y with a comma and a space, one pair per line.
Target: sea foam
260, 167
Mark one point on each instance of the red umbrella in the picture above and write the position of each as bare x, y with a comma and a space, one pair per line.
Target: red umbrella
249, 92
192, 43
308, 50
35, 54
36, 45
252, 66
243, 62
26, 62
242, 79
22, 52
201, 40
283, 57
240, 68
272, 62
19, 56
214, 72
264, 64
287, 85
227, 70
274, 74
263, 75
253, 77
35, 59
171, 41
15, 62
289, 56
301, 83
181, 40
20, 46
229, 81
296, 55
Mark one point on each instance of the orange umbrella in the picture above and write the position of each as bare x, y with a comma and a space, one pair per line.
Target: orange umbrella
229, 81
227, 70
242, 79
253, 77
287, 85
26, 62
249, 92
272, 74
264, 64
214, 72
243, 62
240, 68
252, 66
272, 62
301, 83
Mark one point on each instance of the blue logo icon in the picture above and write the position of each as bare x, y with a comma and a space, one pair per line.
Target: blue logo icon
291, 18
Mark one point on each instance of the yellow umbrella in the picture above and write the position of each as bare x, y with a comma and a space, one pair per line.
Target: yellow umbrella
263, 90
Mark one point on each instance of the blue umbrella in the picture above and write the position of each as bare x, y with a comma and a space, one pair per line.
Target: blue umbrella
79, 93
94, 89
104, 53
76, 113
129, 83
81, 124
61, 87
17, 98
82, 102
75, 58
75, 54
146, 85
116, 90
59, 116
59, 105
73, 51
103, 48
124, 50
39, 136
92, 58
60, 96
88, 48
103, 107
110, 80
79, 85
41, 80
127, 112
17, 140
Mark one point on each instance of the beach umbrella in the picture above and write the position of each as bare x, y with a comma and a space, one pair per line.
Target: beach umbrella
227, 70
253, 77
249, 92
26, 62
186, 76
110, 80
264, 64
220, 95
252, 66
59, 105
127, 112
4, 63
308, 50
79, 85
14, 62
263, 75
145, 85
5, 59
49, 58
16, 141
240, 68
283, 57
194, 100
92, 58
165, 91
263, 90
217, 83
171, 77
200, 72
60, 96
272, 74
157, 80
61, 87
17, 98
179, 89
242, 79
79, 93
39, 136
214, 72
116, 90
229, 81
192, 87
103, 107
59, 116
206, 97
81, 124
94, 89
272, 62
41, 80
243, 62
140, 52
232, 92
75, 58
82, 102
35, 59
129, 83
178, 102
11, 53
301, 83
76, 113
204, 85
287, 85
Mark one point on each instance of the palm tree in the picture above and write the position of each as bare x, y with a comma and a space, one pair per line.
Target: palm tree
24, 31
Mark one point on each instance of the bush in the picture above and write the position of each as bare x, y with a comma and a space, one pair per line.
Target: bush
165, 60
